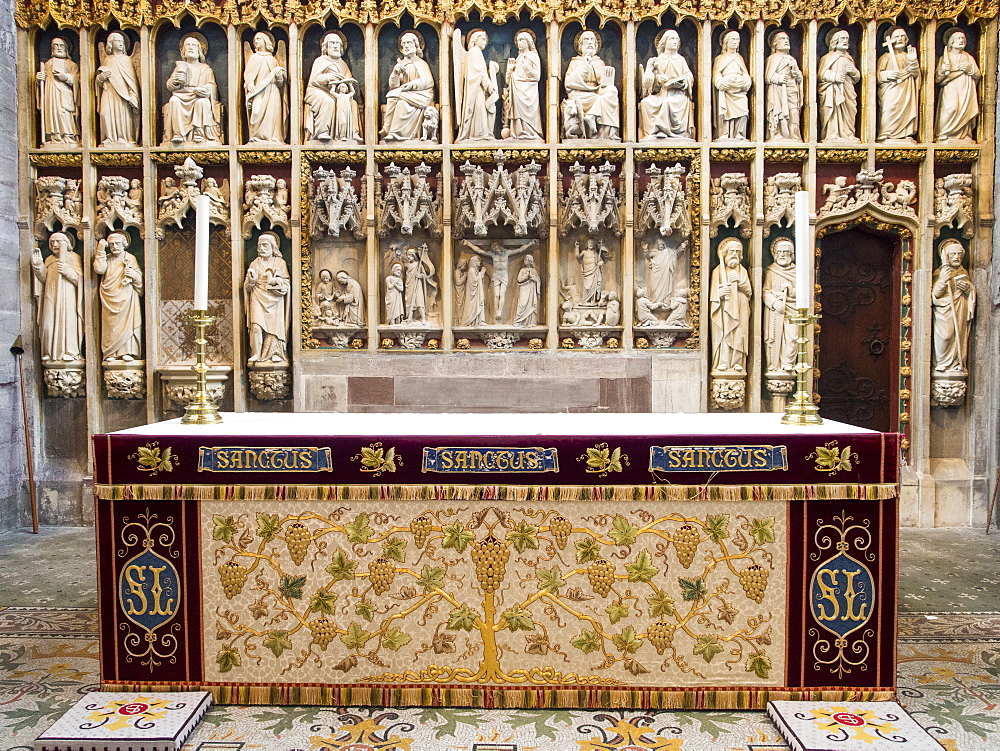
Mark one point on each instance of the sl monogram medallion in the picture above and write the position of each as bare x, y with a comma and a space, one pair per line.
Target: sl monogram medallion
842, 595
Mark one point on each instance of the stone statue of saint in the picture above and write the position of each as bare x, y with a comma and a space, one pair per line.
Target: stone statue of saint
331, 111
476, 90
953, 300
500, 254
118, 93
779, 307
958, 103
522, 113
348, 300
411, 92
591, 258
394, 310
121, 299
783, 100
58, 96
666, 109
660, 263
193, 114
264, 83
472, 311
420, 285
265, 295
729, 299
60, 300
529, 291
898, 73
838, 97
591, 103
324, 296
732, 81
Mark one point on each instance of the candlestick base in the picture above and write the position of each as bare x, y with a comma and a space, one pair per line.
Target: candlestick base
201, 410
800, 410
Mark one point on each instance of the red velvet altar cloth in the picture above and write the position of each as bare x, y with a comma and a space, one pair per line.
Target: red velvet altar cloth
699, 561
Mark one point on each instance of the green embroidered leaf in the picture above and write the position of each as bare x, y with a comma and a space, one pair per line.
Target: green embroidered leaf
268, 526
643, 569
358, 531
586, 642
660, 604
550, 580
616, 611
277, 642
845, 460
431, 578
228, 658
341, 568
623, 532
827, 457
759, 665
627, 642
524, 537
587, 550
356, 637
717, 527
707, 646
394, 639
167, 466
394, 549
365, 609
322, 602
291, 586
371, 457
148, 457
693, 589
518, 619
457, 537
225, 528
762, 530
462, 619
597, 458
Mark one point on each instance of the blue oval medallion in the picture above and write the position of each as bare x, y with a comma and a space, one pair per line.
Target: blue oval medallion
842, 594
149, 590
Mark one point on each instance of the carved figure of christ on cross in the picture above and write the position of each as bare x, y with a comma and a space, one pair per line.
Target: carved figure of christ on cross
500, 252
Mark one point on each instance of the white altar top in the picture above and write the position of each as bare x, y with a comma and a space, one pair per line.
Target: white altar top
502, 424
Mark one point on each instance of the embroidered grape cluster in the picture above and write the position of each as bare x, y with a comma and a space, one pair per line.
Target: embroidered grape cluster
381, 572
602, 576
421, 529
686, 540
660, 635
297, 538
234, 576
561, 528
322, 632
490, 556
754, 581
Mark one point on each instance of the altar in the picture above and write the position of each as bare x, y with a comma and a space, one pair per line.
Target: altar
701, 561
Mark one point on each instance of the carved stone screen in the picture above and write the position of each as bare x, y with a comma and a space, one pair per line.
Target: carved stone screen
445, 207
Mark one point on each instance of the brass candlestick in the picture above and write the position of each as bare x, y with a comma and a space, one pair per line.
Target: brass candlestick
801, 410
201, 410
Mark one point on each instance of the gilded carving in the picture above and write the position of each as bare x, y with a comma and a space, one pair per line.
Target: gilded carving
56, 160
906, 156
733, 155
179, 157
348, 156
264, 157
119, 159
488, 156
588, 156
841, 156
772, 154
956, 156
404, 156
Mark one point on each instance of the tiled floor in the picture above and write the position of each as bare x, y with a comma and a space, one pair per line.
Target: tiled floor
949, 669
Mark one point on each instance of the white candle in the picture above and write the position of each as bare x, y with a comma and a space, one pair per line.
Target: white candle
803, 252
201, 253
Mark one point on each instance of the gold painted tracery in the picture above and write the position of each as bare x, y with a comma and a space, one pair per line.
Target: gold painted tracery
74, 13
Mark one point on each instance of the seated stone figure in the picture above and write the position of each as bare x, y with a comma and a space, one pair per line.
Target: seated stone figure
590, 86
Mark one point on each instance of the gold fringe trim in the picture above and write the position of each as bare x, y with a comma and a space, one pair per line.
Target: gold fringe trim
518, 493
510, 698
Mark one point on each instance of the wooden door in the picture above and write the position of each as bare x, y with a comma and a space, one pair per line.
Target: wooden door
859, 338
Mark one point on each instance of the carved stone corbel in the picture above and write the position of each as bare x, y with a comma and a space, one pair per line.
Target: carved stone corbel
125, 380
57, 201
265, 197
779, 199
664, 205
64, 379
953, 205
119, 204
730, 201
177, 198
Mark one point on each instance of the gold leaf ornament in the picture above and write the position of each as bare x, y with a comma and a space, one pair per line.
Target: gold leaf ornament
152, 459
376, 459
602, 460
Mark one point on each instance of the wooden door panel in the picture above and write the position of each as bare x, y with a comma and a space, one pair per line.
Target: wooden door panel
859, 336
